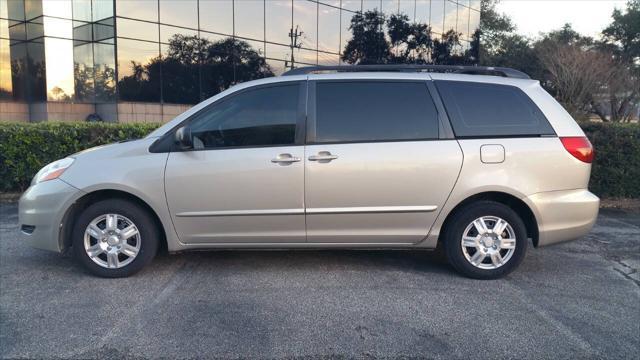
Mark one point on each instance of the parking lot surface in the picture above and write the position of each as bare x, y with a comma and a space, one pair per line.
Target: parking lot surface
575, 300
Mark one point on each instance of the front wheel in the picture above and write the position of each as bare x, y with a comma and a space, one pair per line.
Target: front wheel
485, 240
114, 238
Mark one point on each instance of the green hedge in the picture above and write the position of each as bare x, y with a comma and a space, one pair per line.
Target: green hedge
25, 148
616, 168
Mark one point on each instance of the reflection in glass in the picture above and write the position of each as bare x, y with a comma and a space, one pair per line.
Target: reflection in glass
19, 73
450, 16
105, 72
278, 18
216, 16
305, 17
408, 7
32, 8
103, 29
371, 5
137, 29
306, 57
463, 22
475, 4
277, 66
345, 33
181, 70
143, 10
58, 27
281, 52
179, 12
423, 10
474, 21
437, 16
59, 8
167, 32
138, 71
35, 28
328, 59
329, 28
82, 10
17, 31
390, 6
14, 10
59, 56
83, 73
353, 5
4, 28
249, 19
6, 88
102, 9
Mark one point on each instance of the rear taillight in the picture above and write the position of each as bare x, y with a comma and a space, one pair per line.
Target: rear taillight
579, 147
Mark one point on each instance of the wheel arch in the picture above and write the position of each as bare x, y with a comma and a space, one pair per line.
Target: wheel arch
70, 216
520, 207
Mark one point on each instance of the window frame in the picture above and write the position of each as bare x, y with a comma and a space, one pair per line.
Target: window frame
166, 144
444, 128
498, 136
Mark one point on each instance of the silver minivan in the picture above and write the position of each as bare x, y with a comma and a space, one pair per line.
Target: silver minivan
478, 160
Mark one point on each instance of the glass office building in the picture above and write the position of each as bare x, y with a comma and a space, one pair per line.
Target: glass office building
149, 60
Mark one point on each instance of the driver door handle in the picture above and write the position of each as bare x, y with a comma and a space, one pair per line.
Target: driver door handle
323, 156
285, 159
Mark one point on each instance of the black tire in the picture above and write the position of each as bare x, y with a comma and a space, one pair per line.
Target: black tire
463, 218
147, 228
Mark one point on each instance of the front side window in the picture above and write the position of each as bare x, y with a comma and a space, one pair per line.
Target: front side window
362, 111
479, 109
257, 117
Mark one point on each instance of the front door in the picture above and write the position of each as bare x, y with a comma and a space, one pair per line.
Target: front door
376, 170
243, 182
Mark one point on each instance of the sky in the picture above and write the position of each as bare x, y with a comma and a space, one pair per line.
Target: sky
588, 17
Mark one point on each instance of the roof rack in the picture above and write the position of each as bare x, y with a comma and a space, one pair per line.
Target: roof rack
459, 69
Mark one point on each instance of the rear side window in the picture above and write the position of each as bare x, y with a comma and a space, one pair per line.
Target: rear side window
478, 109
374, 111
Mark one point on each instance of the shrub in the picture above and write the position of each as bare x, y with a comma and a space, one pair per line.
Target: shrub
616, 168
26, 147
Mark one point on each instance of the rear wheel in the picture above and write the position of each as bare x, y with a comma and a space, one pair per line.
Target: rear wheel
114, 238
485, 240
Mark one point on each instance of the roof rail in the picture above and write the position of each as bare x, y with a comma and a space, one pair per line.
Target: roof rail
459, 69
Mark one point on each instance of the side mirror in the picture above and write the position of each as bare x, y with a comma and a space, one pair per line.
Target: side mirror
183, 138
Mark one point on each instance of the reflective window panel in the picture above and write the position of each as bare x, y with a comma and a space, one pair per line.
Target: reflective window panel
59, 62
179, 12
278, 19
305, 17
249, 19
216, 16
329, 28
142, 10
450, 16
138, 70
141, 30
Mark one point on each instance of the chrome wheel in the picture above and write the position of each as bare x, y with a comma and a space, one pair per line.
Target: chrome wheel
112, 241
488, 242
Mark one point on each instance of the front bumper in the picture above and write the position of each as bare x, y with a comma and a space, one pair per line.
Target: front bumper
41, 211
563, 215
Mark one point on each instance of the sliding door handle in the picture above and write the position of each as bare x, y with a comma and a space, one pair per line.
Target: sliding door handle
323, 156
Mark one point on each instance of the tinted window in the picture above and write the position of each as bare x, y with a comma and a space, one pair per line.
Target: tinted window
259, 117
374, 111
477, 109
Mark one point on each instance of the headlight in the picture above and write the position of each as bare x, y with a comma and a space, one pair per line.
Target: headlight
53, 170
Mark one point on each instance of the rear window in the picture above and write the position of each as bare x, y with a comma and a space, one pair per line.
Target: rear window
478, 109
363, 111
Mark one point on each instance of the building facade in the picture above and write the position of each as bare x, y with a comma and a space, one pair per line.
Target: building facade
149, 60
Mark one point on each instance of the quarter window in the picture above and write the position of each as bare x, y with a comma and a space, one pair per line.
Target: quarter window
374, 111
257, 117
478, 109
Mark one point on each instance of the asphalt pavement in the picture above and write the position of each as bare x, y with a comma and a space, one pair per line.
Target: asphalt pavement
575, 300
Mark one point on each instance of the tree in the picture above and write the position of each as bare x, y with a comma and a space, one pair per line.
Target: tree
622, 40
368, 44
404, 42
189, 62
